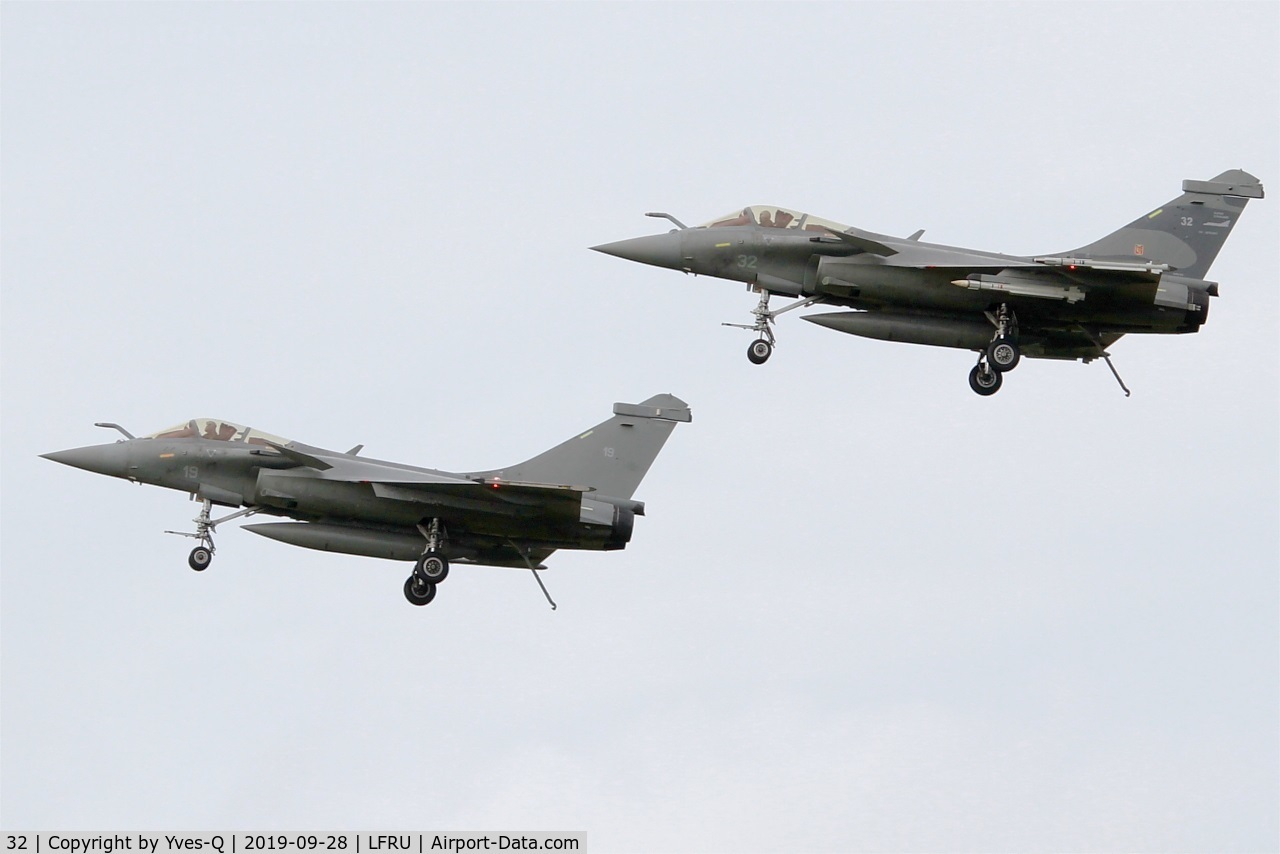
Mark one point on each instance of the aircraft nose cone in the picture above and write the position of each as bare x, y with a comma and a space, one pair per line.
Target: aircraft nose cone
110, 460
659, 250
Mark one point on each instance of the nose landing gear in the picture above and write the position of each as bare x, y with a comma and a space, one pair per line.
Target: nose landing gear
762, 348
202, 555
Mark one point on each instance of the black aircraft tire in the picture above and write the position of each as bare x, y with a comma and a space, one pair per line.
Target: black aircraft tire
1003, 355
417, 591
200, 559
989, 383
432, 567
759, 351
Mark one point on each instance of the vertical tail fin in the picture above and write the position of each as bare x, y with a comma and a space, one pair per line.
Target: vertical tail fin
1185, 233
611, 457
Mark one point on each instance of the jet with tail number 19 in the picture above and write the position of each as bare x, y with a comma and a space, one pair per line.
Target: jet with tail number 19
575, 496
1147, 277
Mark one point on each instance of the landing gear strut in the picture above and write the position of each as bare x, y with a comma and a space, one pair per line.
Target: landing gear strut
202, 555
1001, 356
762, 348
1003, 352
430, 569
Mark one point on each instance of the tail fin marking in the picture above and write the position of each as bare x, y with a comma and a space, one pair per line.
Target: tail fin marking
1188, 232
612, 457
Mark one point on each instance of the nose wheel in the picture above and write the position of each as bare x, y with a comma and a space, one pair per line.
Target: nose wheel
200, 558
202, 555
762, 348
759, 351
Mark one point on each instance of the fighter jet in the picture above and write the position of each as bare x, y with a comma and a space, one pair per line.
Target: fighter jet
1147, 277
578, 495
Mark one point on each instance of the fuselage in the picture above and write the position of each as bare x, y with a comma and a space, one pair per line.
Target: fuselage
386, 497
918, 278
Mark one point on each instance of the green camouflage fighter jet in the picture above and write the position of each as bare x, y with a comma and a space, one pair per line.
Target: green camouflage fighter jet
1148, 277
575, 496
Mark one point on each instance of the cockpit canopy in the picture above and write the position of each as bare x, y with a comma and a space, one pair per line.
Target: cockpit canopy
218, 431
774, 217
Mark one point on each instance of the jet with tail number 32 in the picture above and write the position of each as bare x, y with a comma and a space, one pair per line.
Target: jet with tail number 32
578, 495
1147, 277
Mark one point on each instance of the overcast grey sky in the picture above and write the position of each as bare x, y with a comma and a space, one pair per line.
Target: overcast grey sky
867, 610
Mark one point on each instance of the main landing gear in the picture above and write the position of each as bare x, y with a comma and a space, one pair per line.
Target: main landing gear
431, 568
762, 348
984, 379
202, 555
417, 591
1001, 356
